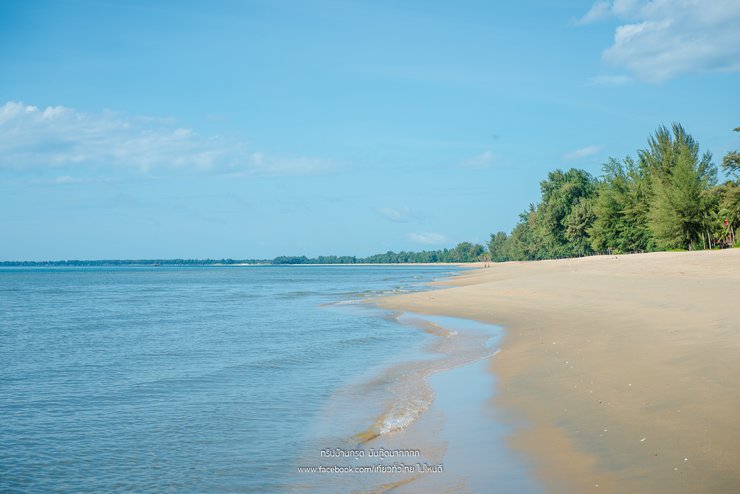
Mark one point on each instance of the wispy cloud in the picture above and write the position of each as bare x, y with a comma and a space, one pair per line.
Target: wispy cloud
428, 238
396, 215
69, 180
262, 164
662, 39
610, 80
605, 9
582, 152
66, 139
481, 161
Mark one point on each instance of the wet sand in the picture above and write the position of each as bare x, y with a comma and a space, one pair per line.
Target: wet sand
617, 373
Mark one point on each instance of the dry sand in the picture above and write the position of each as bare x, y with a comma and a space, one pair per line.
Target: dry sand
618, 373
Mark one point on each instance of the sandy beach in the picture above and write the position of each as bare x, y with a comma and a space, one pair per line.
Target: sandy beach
616, 373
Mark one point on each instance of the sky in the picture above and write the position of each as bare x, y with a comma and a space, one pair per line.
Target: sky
252, 129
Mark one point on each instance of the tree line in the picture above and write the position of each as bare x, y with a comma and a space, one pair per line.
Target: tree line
665, 198
463, 252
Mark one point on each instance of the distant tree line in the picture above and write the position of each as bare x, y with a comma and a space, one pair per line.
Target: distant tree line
463, 252
666, 198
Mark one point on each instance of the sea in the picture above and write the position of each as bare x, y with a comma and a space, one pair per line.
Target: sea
242, 379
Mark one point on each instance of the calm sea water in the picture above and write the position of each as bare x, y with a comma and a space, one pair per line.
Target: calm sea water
181, 379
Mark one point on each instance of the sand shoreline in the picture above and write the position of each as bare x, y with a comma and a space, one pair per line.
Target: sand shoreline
619, 373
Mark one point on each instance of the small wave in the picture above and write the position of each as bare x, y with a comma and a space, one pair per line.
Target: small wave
409, 382
397, 418
361, 297
346, 302
401, 417
425, 325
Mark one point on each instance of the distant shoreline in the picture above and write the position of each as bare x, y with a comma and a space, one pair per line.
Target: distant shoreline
165, 263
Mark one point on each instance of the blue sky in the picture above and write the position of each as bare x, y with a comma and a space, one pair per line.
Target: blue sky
251, 129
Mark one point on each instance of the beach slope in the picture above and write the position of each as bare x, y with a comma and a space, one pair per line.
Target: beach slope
617, 373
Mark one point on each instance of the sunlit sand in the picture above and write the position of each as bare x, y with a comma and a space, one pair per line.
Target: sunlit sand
618, 373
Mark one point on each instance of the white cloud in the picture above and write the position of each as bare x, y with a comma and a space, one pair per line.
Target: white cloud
399, 215
480, 161
428, 238
582, 153
662, 39
33, 139
604, 9
599, 10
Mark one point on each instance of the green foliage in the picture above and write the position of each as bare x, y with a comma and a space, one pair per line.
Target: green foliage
621, 209
466, 252
498, 247
463, 252
731, 161
523, 243
315, 260
679, 179
577, 225
663, 149
726, 214
563, 216
557, 226
667, 199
